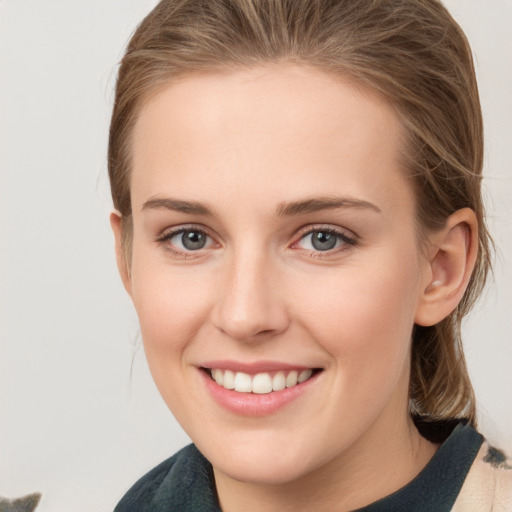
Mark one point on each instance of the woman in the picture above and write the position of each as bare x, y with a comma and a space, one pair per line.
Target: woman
299, 225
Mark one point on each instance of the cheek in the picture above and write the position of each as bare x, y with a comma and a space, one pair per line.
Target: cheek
171, 311
364, 320
171, 308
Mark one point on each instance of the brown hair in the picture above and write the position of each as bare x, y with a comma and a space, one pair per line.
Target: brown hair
411, 51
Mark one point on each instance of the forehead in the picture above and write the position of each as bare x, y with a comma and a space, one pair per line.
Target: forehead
264, 131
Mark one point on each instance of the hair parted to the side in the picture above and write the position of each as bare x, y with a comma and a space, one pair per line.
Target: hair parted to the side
411, 51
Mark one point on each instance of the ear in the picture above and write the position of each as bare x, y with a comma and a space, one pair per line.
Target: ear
451, 259
122, 264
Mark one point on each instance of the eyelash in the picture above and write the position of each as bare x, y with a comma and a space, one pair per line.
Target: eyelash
341, 236
166, 236
346, 241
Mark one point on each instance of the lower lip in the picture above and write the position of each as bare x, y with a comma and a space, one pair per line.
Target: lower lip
253, 404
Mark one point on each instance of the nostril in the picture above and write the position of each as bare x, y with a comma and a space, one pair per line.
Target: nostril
265, 332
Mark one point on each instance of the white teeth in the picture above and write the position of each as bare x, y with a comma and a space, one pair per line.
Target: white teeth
217, 376
229, 379
243, 382
303, 376
279, 381
291, 379
261, 383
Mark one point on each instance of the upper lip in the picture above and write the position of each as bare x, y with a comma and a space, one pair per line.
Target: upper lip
254, 367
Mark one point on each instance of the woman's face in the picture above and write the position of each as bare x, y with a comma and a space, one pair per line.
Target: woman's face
274, 238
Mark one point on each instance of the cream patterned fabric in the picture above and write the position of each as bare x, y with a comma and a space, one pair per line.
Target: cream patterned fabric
488, 486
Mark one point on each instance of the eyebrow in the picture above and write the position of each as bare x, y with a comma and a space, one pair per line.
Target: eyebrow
178, 205
317, 204
284, 209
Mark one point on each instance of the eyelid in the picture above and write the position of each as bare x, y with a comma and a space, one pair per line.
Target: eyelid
173, 230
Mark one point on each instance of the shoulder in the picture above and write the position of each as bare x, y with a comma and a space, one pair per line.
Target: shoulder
184, 478
488, 485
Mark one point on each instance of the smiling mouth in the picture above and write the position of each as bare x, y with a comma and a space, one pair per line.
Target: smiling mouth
260, 383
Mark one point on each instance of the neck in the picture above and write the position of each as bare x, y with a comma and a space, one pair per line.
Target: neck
384, 467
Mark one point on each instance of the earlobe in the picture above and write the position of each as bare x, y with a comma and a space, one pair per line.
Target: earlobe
451, 260
122, 264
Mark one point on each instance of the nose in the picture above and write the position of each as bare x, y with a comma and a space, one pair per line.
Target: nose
250, 304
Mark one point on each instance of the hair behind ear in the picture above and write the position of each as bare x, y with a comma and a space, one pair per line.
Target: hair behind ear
440, 387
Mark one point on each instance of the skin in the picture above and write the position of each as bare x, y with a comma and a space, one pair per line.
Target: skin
243, 144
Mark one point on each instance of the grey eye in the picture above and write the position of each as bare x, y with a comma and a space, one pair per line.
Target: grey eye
185, 240
323, 241
188, 239
193, 240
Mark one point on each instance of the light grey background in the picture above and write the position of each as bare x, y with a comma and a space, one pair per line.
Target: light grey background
78, 422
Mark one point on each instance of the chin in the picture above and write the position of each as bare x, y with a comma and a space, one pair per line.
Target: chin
263, 465
271, 472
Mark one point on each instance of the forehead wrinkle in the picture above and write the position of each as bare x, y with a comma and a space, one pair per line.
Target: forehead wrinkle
316, 204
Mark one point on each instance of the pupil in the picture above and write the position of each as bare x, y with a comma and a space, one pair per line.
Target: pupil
193, 240
323, 241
